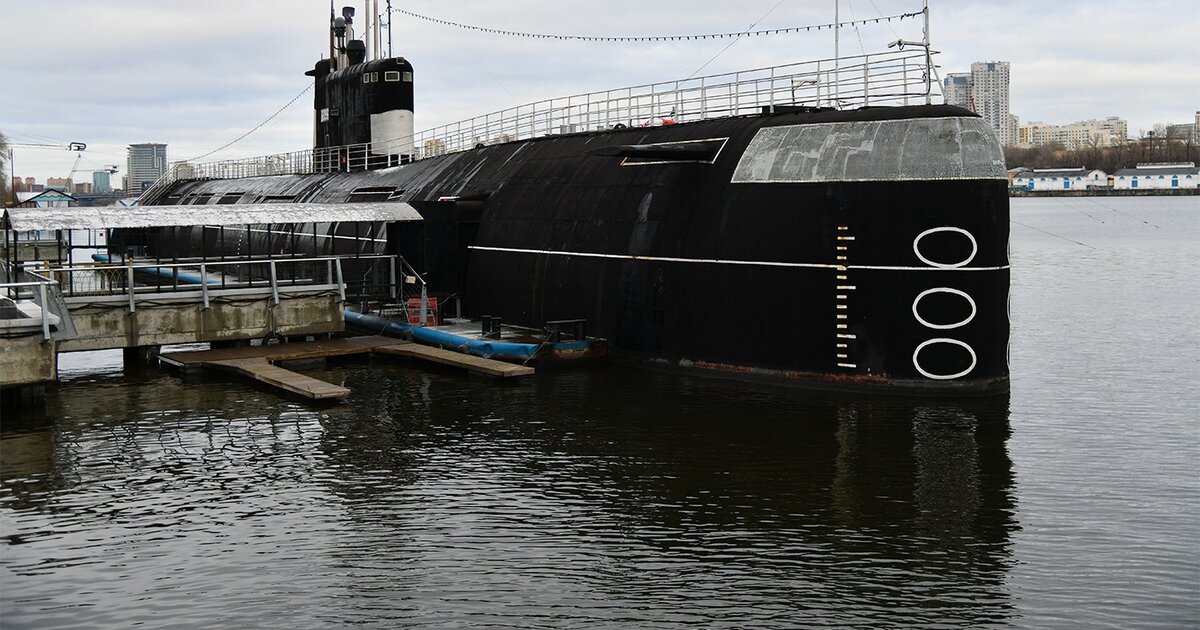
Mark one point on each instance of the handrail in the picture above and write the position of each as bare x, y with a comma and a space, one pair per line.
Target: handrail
209, 263
48, 278
105, 281
860, 80
41, 283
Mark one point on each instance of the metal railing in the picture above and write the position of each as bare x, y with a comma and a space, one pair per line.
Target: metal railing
891, 77
38, 289
364, 278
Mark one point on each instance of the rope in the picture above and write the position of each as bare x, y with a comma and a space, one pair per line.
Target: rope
256, 127
660, 38
730, 44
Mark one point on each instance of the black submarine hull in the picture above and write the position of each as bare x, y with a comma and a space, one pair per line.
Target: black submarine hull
842, 249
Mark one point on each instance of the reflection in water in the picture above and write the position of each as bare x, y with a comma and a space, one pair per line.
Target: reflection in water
611, 495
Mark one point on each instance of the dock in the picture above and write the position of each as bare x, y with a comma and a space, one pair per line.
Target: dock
258, 362
474, 364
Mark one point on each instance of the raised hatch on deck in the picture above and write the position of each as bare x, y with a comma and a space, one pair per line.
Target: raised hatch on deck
689, 151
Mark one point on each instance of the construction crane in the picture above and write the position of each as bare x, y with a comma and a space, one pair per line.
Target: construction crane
111, 169
70, 146
71, 177
78, 147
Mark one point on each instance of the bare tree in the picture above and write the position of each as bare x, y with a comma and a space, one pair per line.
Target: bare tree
7, 194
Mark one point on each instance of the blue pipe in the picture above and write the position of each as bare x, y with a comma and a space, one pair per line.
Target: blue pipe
432, 337
184, 277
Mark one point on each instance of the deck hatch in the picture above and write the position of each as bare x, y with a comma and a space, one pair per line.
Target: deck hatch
682, 152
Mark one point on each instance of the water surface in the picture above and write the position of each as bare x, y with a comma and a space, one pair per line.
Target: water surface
619, 497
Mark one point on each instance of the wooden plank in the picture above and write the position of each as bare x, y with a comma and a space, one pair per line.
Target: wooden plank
478, 365
257, 362
263, 371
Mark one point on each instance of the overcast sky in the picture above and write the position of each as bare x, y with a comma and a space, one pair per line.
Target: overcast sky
196, 75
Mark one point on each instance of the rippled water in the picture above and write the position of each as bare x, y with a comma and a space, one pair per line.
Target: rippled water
632, 497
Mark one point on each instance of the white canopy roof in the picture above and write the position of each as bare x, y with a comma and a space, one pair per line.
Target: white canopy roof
105, 217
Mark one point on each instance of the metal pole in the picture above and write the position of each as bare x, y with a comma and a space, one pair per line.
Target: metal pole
10, 258
392, 280
45, 315
866, 83
341, 283
204, 286
274, 285
837, 58
424, 305
129, 281
368, 29
389, 8
928, 58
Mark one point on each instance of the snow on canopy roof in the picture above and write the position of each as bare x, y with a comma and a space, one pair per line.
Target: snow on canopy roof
105, 217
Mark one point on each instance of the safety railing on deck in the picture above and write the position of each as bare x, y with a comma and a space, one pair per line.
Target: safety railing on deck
37, 288
368, 278
892, 77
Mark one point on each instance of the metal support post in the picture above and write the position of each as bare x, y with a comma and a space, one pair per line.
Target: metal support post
866, 84
424, 305
928, 58
274, 285
340, 283
392, 280
837, 52
203, 287
129, 285
45, 314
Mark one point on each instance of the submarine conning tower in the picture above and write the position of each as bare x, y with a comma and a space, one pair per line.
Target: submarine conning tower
363, 108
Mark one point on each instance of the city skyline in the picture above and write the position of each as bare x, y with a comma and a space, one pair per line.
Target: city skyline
196, 78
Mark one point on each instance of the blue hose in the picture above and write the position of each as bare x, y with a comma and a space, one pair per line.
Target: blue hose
432, 337
184, 277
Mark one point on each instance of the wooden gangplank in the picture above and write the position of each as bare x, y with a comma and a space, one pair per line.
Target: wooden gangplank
470, 362
264, 371
257, 362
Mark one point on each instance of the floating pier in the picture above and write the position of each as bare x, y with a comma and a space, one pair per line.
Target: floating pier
258, 362
473, 364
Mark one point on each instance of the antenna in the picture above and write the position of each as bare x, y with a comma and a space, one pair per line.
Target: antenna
332, 60
389, 8
375, 50
901, 43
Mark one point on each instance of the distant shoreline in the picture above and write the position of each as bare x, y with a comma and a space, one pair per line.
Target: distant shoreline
1105, 192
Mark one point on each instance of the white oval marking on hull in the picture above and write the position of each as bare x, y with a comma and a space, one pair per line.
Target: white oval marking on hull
969, 258
929, 324
943, 377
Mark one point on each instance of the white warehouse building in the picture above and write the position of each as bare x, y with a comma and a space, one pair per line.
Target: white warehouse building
1158, 176
1071, 178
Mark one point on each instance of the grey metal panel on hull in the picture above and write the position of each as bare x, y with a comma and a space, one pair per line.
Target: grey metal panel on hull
182, 216
882, 150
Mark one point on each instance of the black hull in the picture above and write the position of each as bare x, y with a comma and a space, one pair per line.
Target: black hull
868, 267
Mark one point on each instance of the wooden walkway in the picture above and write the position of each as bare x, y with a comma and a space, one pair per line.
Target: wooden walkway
478, 365
263, 371
257, 362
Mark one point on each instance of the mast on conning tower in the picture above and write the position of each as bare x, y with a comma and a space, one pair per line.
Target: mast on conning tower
389, 14
363, 107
